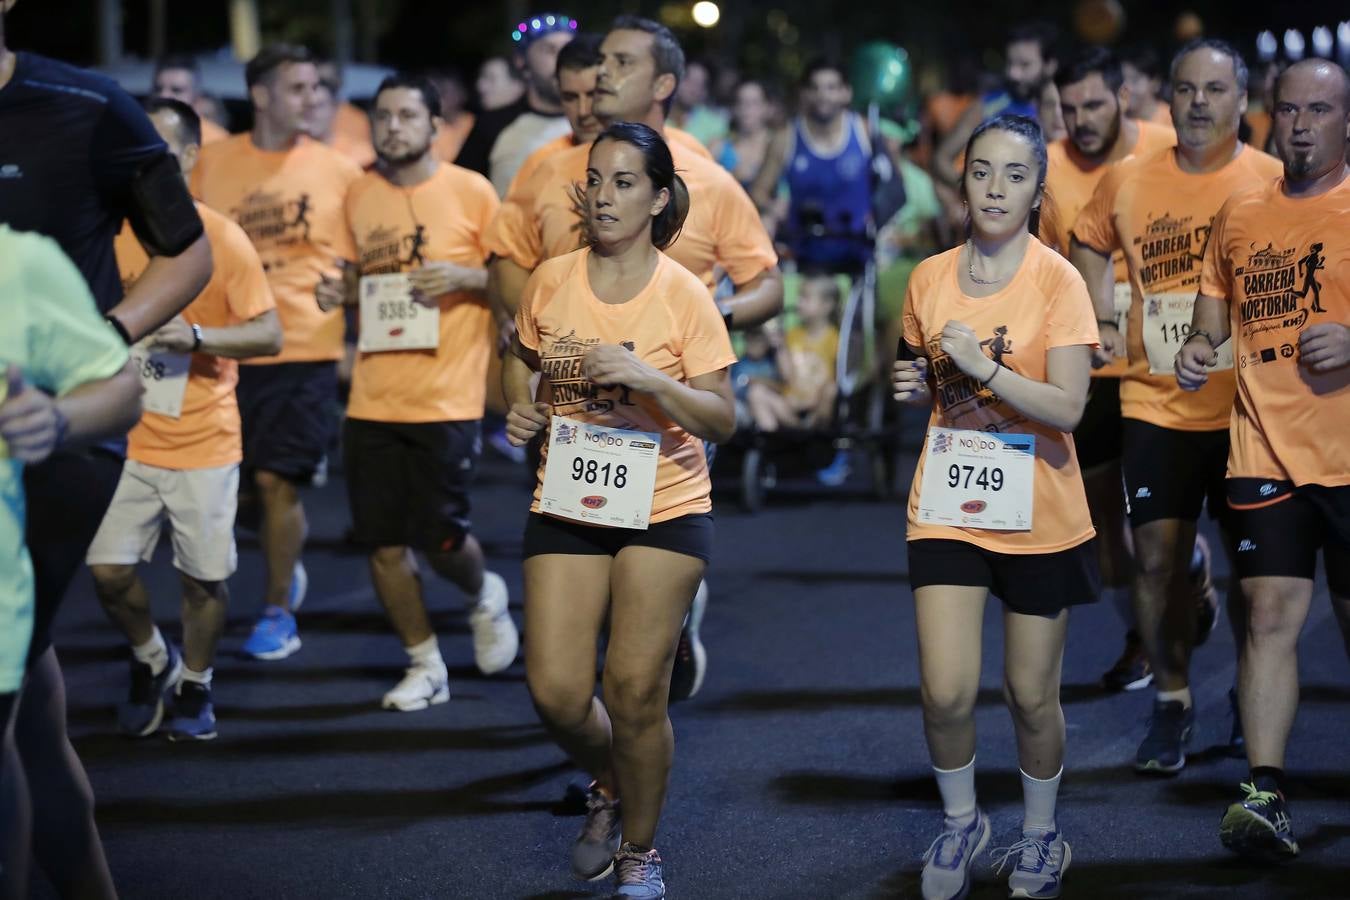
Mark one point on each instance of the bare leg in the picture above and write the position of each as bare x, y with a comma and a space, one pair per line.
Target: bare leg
125, 600
65, 837
1106, 502
950, 624
398, 584
566, 598
204, 604
1268, 667
1163, 603
462, 567
1031, 675
652, 591
282, 535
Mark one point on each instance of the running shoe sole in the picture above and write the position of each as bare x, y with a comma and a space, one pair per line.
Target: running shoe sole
974, 855
441, 696
602, 875
1137, 684
291, 646
183, 737
1247, 834
1048, 895
1153, 767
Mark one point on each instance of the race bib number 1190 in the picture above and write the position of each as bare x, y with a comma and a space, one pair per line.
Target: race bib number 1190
978, 479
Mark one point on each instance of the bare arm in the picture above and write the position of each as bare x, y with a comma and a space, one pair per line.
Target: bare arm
167, 286
705, 406
1209, 329
505, 283
1058, 401
1097, 271
526, 417
259, 336
33, 423
765, 187
757, 301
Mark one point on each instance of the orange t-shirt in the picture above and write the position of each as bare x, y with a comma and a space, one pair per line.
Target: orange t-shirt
672, 324
1045, 305
211, 132
450, 137
689, 142
1283, 265
723, 228
397, 229
1069, 183
207, 434
351, 135
536, 159
1162, 115
1161, 216
290, 205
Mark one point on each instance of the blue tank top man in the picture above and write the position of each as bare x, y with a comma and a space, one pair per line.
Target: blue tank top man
830, 198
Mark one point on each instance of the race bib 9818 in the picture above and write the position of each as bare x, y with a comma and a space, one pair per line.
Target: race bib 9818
599, 475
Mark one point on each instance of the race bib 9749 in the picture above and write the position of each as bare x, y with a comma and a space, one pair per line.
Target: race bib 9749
599, 475
978, 479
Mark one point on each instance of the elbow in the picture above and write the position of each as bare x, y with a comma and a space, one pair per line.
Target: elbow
274, 342
1072, 417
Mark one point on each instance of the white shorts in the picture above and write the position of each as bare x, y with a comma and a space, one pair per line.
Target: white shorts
199, 506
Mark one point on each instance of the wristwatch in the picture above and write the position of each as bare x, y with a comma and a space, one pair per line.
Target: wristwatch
196, 337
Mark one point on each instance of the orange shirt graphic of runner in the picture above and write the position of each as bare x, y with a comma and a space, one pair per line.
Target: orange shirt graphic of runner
290, 205
723, 229
1283, 264
397, 229
1161, 216
1045, 305
207, 434
672, 324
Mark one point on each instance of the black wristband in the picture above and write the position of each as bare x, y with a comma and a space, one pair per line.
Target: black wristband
119, 328
997, 368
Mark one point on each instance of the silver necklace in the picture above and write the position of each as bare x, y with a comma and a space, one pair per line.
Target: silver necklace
970, 267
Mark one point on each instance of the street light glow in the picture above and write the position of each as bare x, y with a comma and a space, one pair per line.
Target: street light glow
706, 13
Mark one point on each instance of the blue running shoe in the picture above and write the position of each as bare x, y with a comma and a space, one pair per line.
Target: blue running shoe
194, 716
142, 713
837, 472
946, 865
1042, 859
299, 588
274, 636
1163, 751
638, 874
1258, 827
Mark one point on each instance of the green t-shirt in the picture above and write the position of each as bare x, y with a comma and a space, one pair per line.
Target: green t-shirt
56, 337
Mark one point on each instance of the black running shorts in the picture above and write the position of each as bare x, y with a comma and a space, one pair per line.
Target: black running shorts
1033, 584
1097, 437
289, 415
1279, 529
408, 483
1170, 474
690, 535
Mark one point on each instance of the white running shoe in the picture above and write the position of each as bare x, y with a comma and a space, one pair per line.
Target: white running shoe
421, 687
299, 587
495, 638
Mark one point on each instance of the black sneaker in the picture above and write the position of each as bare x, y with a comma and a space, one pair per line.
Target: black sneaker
194, 716
1258, 827
1237, 742
143, 711
1132, 671
1163, 751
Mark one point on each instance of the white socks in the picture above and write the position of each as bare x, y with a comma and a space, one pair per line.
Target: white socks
957, 787
154, 653
203, 678
426, 654
1038, 800
1184, 695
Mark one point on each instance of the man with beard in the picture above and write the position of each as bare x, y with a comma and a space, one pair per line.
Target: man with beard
1029, 64
412, 432
1093, 100
285, 189
1289, 467
1158, 211
501, 139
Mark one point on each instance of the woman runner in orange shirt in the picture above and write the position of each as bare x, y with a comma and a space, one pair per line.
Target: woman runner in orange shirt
998, 336
635, 358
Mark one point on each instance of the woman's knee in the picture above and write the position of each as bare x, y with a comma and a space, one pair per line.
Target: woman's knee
561, 704
948, 704
1033, 703
635, 701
